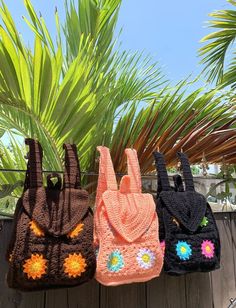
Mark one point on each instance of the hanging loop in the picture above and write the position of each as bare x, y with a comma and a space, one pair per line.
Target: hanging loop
50, 184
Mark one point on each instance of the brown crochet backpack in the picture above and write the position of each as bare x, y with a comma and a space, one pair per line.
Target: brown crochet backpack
52, 240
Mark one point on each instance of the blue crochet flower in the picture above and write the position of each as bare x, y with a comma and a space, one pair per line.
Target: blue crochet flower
115, 261
183, 250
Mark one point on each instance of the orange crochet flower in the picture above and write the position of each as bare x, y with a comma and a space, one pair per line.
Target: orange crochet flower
75, 232
74, 265
35, 228
35, 267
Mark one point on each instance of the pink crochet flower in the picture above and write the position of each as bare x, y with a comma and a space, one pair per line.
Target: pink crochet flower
208, 249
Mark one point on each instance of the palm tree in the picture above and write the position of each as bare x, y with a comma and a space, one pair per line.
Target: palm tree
90, 92
218, 53
73, 92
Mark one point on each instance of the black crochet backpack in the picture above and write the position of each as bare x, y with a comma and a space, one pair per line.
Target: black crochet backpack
187, 228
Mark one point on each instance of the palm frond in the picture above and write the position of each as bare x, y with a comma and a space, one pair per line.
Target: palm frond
197, 123
76, 95
219, 44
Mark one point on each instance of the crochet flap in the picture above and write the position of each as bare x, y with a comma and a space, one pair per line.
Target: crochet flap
56, 212
130, 214
188, 207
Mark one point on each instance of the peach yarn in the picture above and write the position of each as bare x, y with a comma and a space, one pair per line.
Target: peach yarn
126, 226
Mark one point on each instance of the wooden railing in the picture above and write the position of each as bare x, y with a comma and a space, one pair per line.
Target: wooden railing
200, 290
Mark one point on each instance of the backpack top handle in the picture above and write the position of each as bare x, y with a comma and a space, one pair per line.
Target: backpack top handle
162, 176
34, 177
72, 175
187, 173
50, 184
178, 183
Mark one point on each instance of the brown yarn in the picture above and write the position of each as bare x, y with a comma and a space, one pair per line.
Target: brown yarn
52, 241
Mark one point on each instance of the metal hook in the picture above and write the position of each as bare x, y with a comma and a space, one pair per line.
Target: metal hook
224, 167
204, 165
179, 167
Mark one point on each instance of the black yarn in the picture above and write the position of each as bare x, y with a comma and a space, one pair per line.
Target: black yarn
186, 221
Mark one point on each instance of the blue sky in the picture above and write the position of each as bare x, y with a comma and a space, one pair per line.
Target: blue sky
170, 32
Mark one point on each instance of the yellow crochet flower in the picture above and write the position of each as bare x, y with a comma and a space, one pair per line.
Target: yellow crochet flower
74, 265
35, 228
35, 267
75, 232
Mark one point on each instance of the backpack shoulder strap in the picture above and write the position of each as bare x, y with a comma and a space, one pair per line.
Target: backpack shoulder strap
163, 183
72, 176
135, 183
187, 173
34, 177
106, 177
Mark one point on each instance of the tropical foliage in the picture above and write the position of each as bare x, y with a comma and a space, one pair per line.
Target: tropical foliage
74, 94
219, 53
197, 123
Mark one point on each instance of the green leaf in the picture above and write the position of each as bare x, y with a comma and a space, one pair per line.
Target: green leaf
218, 46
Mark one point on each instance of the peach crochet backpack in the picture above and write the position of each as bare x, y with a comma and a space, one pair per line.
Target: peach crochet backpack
126, 226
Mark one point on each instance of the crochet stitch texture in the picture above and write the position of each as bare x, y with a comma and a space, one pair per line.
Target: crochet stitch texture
187, 225
52, 240
126, 226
